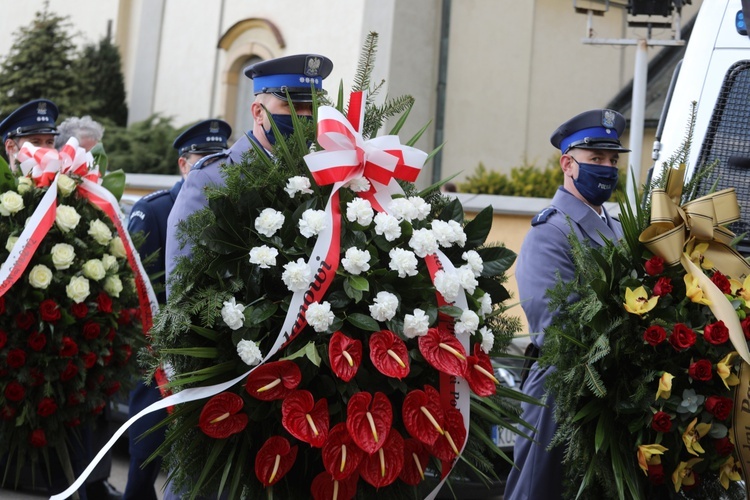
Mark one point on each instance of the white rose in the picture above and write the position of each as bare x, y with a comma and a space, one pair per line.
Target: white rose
249, 352
233, 314
448, 285
113, 285
388, 226
117, 248
356, 261
67, 218
297, 184
312, 222
359, 210
66, 185
269, 221
417, 324
403, 261
11, 243
468, 323
423, 242
263, 256
24, 185
297, 276
40, 276
319, 316
109, 262
475, 262
77, 289
488, 340
63, 255
94, 269
100, 232
10, 202
384, 307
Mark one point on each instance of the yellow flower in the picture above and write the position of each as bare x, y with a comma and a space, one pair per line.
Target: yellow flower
683, 474
724, 369
637, 301
729, 471
692, 435
648, 454
665, 386
694, 291
696, 255
741, 290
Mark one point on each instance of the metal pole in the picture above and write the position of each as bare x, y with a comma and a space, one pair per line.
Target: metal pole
640, 78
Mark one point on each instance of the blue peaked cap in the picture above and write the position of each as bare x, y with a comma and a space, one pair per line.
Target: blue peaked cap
595, 129
296, 74
35, 117
208, 136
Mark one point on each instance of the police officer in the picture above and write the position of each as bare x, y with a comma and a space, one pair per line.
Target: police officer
33, 122
272, 79
590, 146
149, 215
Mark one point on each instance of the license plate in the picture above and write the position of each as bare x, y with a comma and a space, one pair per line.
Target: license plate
504, 438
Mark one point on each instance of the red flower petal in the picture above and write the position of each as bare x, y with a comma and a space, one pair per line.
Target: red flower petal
383, 467
219, 418
416, 458
369, 432
274, 459
389, 354
443, 351
479, 373
273, 380
455, 435
305, 419
341, 456
421, 411
325, 487
345, 354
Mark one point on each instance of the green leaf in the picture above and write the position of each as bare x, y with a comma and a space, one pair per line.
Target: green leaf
205, 332
600, 434
478, 228
352, 292
194, 352
452, 211
312, 354
100, 158
497, 260
452, 311
359, 283
7, 179
364, 322
260, 312
114, 182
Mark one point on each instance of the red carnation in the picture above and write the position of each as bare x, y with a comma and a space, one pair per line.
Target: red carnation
654, 265
104, 303
70, 371
724, 446
661, 422
654, 335
719, 406
345, 355
716, 333
16, 358
274, 459
25, 320
389, 354
656, 474
3, 338
89, 359
127, 352
682, 337
49, 311
663, 286
37, 341
14, 391
701, 370
37, 438
79, 310
46, 407
721, 282
111, 335
91, 330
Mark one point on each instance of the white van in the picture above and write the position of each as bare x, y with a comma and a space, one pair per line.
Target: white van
715, 74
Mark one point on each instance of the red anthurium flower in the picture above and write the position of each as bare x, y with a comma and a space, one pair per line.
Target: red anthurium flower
274, 459
383, 467
389, 354
325, 487
369, 424
305, 419
447, 446
273, 380
479, 373
345, 354
220, 418
416, 458
423, 415
443, 351
341, 456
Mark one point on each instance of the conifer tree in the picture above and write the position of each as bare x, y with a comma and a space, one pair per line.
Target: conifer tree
101, 92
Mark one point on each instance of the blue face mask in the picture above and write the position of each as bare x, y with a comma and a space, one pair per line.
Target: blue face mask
284, 124
596, 183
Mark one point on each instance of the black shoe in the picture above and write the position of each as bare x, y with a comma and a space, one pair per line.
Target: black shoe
102, 490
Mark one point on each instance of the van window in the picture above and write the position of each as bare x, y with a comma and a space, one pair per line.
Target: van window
727, 136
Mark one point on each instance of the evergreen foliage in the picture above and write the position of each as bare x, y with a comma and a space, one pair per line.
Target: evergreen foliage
102, 84
144, 147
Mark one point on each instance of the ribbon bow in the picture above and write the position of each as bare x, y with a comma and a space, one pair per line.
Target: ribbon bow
44, 164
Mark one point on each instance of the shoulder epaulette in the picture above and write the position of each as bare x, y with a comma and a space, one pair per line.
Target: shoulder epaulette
209, 159
155, 194
543, 216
